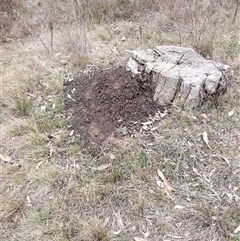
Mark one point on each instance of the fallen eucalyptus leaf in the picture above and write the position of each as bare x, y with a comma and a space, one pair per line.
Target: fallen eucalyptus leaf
101, 167
140, 239
29, 199
70, 97
5, 158
112, 157
204, 116
231, 113
205, 138
39, 164
146, 235
147, 123
237, 230
119, 220
117, 232
178, 207
167, 186
162, 114
154, 128
159, 183
145, 128
222, 157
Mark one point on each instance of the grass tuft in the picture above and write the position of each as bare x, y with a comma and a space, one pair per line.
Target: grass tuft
95, 232
22, 105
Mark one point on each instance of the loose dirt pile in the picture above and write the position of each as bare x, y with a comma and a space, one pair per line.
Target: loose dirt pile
108, 102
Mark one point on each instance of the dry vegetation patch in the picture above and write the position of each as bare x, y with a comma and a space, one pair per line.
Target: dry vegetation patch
52, 188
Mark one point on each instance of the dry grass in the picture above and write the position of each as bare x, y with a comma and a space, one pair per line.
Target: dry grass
50, 187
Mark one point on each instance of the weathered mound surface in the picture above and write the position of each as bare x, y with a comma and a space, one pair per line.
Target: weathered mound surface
107, 101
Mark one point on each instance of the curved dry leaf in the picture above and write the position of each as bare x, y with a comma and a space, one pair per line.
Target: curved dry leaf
148, 123
29, 199
70, 97
145, 128
5, 158
140, 239
163, 114
205, 138
117, 232
167, 186
39, 164
146, 235
119, 220
154, 128
101, 167
112, 157
222, 157
178, 207
231, 113
204, 116
237, 230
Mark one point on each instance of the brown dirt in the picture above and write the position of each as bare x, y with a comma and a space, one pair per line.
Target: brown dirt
108, 103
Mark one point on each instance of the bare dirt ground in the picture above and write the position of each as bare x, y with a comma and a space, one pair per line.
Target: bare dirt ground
108, 100
177, 180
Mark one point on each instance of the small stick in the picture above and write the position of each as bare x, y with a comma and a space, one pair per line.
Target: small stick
236, 10
51, 30
44, 45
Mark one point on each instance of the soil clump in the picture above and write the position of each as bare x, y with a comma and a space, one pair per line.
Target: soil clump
108, 102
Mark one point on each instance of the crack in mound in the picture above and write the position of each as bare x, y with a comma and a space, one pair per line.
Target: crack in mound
108, 101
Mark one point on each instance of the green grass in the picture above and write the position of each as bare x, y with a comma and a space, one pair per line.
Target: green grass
22, 105
38, 218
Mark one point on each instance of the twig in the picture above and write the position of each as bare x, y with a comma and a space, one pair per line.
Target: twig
96, 157
51, 31
44, 45
236, 11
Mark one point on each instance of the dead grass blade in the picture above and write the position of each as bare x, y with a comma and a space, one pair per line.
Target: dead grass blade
167, 186
207, 185
39, 164
119, 220
205, 138
101, 167
222, 157
140, 239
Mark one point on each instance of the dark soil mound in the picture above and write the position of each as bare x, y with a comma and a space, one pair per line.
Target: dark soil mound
108, 102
